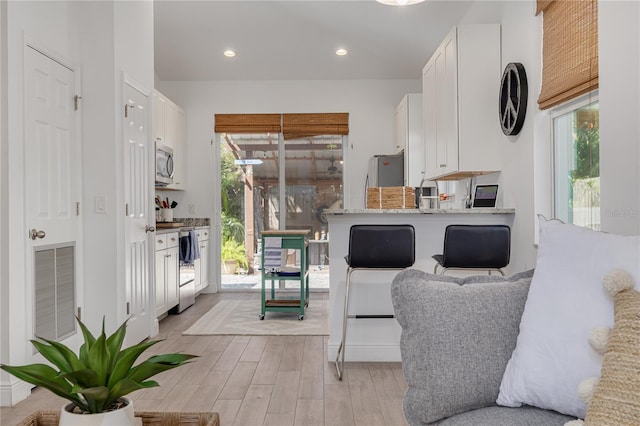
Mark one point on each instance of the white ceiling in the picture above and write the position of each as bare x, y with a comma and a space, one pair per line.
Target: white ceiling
297, 40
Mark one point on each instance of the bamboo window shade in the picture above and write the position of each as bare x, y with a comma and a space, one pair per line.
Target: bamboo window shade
570, 50
247, 123
295, 126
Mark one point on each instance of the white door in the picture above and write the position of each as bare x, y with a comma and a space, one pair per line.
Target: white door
52, 191
137, 192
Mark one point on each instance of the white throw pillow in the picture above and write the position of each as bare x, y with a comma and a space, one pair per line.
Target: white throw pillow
566, 301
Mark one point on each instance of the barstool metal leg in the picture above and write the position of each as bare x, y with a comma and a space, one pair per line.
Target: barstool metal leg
341, 348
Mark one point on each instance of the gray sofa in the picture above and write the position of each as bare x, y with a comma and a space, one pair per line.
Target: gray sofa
457, 337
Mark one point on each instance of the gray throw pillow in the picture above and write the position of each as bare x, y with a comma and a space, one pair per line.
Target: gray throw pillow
457, 337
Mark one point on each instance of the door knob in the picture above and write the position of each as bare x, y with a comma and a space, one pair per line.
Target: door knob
34, 233
149, 228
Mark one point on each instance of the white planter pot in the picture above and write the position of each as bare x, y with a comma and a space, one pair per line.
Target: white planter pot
121, 417
229, 267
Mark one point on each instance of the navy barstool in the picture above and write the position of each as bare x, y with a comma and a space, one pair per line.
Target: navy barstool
483, 247
374, 247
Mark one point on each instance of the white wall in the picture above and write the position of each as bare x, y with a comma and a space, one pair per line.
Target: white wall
48, 25
99, 160
134, 53
105, 38
370, 104
521, 42
619, 45
526, 158
4, 205
117, 40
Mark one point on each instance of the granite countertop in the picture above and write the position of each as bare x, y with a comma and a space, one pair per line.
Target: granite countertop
421, 211
186, 222
193, 221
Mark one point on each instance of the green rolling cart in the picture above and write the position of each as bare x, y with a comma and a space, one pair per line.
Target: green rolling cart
295, 240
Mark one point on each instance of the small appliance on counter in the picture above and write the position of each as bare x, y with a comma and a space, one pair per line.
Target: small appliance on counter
485, 196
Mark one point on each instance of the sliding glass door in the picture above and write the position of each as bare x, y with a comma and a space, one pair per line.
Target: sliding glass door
268, 183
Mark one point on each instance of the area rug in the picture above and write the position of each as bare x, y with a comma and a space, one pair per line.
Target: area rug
242, 317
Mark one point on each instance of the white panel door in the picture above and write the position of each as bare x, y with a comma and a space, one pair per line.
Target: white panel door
137, 191
52, 190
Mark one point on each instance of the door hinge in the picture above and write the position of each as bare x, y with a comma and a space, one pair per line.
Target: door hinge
79, 313
126, 209
77, 208
76, 101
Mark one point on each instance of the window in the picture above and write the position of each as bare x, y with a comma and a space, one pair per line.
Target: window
576, 169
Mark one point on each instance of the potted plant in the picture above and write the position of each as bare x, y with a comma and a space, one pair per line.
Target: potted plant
98, 378
233, 254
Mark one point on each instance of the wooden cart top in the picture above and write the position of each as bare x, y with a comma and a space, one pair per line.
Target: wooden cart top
286, 232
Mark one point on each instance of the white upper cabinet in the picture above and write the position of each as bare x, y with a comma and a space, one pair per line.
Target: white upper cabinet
179, 147
171, 130
460, 85
408, 137
160, 114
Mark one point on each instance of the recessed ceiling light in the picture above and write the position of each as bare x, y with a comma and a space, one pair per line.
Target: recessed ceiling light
399, 2
341, 52
229, 53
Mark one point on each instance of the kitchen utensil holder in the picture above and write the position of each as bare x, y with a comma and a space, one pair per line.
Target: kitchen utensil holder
166, 215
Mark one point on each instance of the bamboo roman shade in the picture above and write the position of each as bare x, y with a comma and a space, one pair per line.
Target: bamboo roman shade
247, 123
295, 126
569, 51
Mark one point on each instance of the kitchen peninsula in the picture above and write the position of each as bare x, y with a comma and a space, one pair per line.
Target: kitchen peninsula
379, 339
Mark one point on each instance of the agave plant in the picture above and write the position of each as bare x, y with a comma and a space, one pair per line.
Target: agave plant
100, 374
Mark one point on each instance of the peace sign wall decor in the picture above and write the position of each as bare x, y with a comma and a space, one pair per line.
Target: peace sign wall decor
513, 98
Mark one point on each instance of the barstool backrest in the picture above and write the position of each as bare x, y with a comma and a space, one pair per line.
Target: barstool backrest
477, 246
381, 246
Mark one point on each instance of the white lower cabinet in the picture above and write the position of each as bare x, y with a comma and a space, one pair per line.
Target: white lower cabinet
202, 264
166, 272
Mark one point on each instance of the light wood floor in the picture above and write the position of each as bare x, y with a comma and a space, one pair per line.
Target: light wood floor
257, 380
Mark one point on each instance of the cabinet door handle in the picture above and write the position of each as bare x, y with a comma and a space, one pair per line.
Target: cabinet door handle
167, 255
160, 241
173, 239
443, 165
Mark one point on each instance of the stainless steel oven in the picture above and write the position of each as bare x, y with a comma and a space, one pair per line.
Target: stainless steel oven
187, 271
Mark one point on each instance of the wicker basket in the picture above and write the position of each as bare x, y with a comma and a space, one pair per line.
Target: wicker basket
155, 418
391, 197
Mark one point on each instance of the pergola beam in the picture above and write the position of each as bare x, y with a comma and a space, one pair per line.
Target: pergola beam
267, 147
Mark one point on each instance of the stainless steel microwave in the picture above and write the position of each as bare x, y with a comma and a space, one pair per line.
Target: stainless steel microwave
164, 165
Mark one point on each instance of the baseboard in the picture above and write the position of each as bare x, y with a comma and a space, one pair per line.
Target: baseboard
12, 393
155, 327
366, 353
